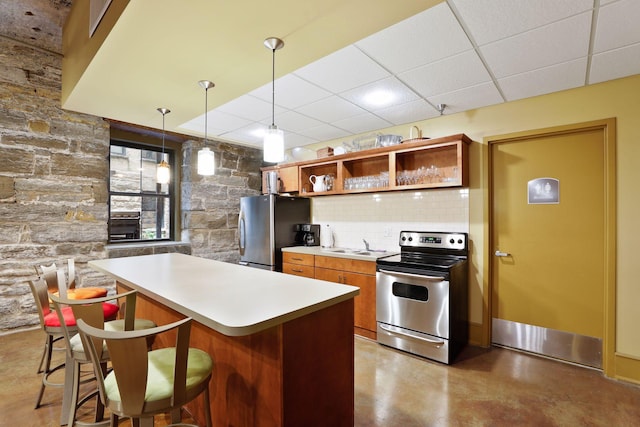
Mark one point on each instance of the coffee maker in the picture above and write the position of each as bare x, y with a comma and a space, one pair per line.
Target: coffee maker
308, 234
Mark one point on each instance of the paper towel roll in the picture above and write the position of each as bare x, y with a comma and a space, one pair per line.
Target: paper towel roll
326, 236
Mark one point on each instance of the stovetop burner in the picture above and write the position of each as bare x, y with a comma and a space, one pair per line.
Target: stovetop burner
433, 242
428, 250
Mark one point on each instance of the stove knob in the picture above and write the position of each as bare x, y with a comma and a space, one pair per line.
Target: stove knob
459, 241
410, 239
403, 238
452, 241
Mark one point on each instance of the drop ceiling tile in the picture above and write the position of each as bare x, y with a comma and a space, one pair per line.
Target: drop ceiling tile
292, 139
426, 37
249, 107
406, 113
397, 92
463, 70
468, 98
217, 123
291, 92
251, 134
363, 123
295, 122
489, 21
324, 132
545, 80
618, 26
342, 70
615, 64
559, 42
331, 109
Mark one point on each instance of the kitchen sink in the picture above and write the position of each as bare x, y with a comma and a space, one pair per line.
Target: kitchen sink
363, 252
351, 251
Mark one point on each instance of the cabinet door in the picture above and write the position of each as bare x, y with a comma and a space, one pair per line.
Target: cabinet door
346, 264
365, 303
289, 179
298, 270
329, 275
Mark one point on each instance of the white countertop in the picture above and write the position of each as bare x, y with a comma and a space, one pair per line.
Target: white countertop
340, 252
232, 299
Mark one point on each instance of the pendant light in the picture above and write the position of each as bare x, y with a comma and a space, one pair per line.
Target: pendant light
273, 147
206, 157
163, 174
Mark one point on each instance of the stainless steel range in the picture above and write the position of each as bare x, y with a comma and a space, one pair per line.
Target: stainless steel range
422, 295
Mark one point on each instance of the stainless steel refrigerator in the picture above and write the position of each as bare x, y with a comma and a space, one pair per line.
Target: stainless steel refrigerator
267, 224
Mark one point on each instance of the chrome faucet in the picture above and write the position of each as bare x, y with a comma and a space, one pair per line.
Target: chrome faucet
366, 245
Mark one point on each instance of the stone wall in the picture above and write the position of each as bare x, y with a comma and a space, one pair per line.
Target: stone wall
53, 169
53, 186
210, 205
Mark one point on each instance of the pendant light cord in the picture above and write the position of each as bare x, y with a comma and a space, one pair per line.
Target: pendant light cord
163, 136
206, 113
273, 87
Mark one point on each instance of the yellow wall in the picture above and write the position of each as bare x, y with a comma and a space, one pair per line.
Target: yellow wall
619, 99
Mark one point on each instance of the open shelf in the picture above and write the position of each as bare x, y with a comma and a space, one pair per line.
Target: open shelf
421, 164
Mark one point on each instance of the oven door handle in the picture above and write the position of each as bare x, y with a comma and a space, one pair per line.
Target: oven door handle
415, 276
404, 334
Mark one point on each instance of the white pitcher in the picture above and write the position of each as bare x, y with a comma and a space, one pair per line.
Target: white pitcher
318, 182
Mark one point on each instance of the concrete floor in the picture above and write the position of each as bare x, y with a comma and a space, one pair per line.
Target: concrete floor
485, 387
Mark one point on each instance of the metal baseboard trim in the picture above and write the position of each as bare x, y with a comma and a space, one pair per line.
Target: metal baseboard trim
566, 346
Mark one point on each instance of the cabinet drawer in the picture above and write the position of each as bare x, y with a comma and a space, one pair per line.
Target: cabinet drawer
298, 270
346, 264
296, 258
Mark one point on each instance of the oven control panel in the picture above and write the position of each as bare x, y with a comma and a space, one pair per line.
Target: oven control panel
421, 239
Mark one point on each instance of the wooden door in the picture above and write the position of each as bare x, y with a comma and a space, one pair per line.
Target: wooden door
548, 240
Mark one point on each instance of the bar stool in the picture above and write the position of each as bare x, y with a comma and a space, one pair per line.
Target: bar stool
144, 383
50, 324
50, 275
92, 312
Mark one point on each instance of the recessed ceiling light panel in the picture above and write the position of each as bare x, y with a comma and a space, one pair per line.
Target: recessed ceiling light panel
379, 98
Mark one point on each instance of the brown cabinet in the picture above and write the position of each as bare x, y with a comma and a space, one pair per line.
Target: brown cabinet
415, 164
298, 264
355, 273
430, 163
288, 175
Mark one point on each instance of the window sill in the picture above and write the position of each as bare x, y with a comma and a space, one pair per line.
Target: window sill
117, 250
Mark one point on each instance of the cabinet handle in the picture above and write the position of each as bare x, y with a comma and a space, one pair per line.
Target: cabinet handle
296, 259
297, 271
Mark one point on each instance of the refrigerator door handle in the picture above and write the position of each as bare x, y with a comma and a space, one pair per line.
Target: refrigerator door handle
241, 233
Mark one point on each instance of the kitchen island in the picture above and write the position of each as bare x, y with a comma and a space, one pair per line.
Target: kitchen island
282, 345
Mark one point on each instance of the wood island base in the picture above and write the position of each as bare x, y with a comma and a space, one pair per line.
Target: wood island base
299, 373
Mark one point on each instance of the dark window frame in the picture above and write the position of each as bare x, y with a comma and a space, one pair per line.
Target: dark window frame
170, 195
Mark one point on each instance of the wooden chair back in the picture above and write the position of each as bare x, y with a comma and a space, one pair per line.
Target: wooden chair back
92, 312
41, 297
128, 351
53, 279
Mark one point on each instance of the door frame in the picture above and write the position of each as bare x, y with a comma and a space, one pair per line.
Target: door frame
608, 126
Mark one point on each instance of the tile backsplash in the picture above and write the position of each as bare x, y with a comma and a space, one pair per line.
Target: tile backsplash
379, 217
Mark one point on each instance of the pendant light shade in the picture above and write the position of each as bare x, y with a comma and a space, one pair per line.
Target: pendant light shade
206, 162
273, 145
163, 173
206, 157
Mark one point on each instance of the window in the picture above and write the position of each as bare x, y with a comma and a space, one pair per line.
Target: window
140, 209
